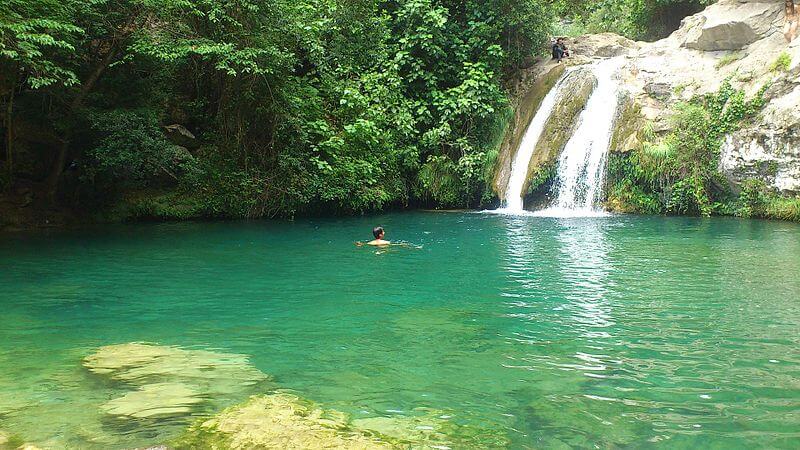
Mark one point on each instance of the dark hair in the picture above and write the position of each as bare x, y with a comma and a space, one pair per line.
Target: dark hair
377, 232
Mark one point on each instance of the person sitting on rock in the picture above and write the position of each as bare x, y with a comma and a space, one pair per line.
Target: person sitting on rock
560, 50
564, 48
791, 23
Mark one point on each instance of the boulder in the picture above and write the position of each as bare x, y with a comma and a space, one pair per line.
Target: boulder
602, 45
181, 136
731, 25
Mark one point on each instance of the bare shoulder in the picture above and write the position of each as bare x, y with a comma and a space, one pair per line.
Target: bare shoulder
379, 243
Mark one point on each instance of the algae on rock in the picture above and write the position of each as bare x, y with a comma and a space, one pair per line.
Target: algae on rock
279, 420
576, 89
171, 381
286, 421
526, 106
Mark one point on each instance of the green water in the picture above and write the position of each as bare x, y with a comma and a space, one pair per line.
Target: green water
603, 332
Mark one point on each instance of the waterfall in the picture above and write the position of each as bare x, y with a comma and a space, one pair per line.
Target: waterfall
519, 168
582, 165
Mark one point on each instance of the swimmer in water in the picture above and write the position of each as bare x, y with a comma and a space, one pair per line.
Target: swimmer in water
378, 233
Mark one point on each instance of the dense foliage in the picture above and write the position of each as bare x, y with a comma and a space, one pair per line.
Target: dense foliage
296, 105
238, 108
678, 173
636, 19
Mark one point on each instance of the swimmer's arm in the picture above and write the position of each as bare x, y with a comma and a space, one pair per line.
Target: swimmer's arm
405, 245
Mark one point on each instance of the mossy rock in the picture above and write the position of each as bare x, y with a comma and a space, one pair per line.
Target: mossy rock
576, 89
280, 420
8, 441
284, 420
526, 107
432, 429
628, 126
156, 401
171, 381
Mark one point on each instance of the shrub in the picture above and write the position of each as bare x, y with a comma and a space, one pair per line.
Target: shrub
728, 59
678, 173
781, 63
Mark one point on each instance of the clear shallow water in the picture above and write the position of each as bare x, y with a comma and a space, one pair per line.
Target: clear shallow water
609, 332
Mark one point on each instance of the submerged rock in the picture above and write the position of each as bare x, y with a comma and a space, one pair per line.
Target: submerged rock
156, 401
140, 364
170, 381
415, 431
286, 421
278, 421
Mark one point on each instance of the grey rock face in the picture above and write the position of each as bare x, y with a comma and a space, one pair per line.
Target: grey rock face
733, 40
731, 25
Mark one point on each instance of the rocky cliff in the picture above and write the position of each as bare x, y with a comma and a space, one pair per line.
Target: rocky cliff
737, 40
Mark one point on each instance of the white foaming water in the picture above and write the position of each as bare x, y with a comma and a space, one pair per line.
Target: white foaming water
581, 167
519, 168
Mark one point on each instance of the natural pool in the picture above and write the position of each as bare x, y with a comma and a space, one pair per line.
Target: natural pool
555, 333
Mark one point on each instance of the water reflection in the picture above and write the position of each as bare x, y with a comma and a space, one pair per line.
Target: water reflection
585, 269
560, 290
577, 269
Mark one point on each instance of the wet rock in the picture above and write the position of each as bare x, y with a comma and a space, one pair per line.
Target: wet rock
170, 381
140, 364
419, 430
279, 420
577, 86
528, 95
156, 401
432, 429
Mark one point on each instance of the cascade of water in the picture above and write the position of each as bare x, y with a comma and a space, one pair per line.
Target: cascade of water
581, 167
519, 168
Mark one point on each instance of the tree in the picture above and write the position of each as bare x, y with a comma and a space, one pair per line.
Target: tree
34, 37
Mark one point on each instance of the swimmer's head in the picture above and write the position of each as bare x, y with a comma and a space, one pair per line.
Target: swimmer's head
378, 232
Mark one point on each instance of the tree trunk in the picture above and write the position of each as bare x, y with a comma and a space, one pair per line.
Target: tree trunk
63, 149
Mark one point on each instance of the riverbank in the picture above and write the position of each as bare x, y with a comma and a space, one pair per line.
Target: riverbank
18, 214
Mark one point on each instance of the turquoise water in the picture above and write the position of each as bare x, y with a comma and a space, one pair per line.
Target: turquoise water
601, 332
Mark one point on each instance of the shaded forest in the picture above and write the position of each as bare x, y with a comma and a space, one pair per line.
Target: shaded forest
238, 108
